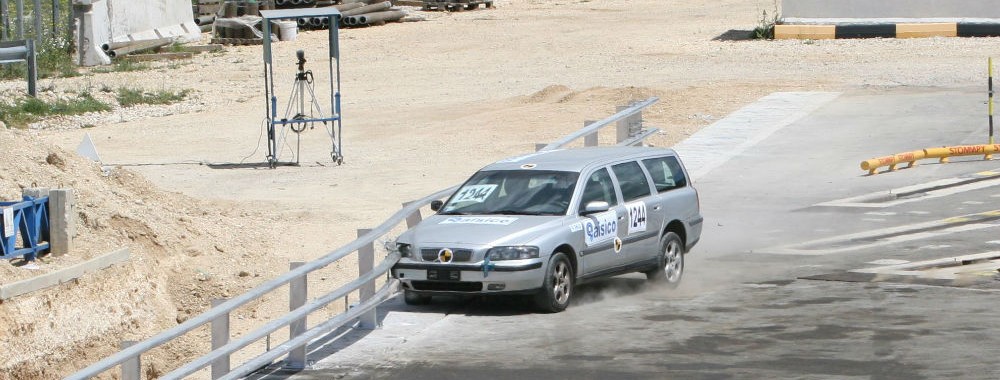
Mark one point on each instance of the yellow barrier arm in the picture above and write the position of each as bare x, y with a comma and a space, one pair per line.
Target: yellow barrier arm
986, 150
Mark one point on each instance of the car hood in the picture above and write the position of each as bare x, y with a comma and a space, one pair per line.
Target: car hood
479, 230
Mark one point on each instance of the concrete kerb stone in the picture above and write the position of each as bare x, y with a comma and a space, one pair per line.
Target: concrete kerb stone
894, 28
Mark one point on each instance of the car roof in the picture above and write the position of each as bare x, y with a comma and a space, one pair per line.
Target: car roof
576, 159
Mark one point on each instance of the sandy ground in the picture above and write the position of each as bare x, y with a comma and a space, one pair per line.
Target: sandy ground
424, 105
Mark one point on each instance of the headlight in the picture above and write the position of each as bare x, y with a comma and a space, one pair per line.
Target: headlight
403, 249
512, 253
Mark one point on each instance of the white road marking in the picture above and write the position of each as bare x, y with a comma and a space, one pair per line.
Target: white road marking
924, 191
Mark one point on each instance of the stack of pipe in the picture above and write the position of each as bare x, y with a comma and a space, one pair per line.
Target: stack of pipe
357, 13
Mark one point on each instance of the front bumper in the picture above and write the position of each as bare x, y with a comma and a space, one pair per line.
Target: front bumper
500, 277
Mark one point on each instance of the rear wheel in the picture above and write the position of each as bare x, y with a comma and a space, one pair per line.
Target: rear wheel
412, 298
670, 265
557, 289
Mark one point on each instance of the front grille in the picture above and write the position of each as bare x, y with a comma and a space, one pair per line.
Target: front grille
460, 255
442, 286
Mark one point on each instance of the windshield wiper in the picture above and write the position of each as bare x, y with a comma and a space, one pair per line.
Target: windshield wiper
516, 212
452, 213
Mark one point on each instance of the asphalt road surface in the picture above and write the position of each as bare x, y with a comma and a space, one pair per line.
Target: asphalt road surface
808, 268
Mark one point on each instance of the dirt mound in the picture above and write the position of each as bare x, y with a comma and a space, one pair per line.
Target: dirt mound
184, 252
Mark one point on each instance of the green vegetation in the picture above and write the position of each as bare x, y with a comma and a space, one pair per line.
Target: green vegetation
54, 58
128, 97
28, 110
765, 25
121, 66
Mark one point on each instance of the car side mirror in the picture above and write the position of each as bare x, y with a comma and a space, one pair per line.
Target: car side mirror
595, 207
436, 205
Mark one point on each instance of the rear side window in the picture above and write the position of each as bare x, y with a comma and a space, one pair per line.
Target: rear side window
632, 180
598, 188
666, 173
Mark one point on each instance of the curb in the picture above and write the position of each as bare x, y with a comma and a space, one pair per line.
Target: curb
893, 30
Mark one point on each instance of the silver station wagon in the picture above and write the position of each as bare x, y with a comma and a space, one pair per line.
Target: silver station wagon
544, 222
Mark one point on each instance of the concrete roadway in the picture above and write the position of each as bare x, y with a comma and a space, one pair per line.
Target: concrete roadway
769, 292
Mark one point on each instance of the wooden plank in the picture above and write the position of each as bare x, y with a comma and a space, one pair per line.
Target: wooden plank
63, 275
156, 57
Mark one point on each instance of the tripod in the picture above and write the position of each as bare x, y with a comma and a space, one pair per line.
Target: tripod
298, 122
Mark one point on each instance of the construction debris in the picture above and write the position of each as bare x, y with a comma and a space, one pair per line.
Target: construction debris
455, 5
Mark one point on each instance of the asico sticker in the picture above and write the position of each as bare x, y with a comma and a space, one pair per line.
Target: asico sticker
636, 217
497, 220
600, 228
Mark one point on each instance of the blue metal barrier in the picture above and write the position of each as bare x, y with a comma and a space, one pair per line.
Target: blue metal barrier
29, 219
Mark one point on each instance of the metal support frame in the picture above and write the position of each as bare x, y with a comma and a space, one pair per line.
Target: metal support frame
22, 51
274, 123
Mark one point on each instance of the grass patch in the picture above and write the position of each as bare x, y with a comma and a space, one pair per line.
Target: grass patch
123, 65
128, 97
765, 24
28, 110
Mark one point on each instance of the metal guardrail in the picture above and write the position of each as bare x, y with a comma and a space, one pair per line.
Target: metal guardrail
22, 51
218, 358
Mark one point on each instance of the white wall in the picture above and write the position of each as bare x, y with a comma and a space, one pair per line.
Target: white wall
891, 9
130, 20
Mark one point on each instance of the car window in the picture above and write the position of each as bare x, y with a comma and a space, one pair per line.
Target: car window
632, 180
666, 173
598, 188
513, 192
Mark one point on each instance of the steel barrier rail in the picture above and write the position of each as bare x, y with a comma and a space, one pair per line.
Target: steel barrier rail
942, 153
283, 321
268, 357
221, 310
593, 127
139, 348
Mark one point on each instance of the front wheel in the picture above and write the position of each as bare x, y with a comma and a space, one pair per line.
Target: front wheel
670, 265
557, 289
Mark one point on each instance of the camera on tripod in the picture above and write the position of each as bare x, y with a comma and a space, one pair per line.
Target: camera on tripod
301, 55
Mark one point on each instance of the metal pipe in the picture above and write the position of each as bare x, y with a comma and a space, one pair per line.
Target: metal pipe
384, 16
367, 9
36, 15
15, 53
109, 46
324, 22
315, 22
280, 2
204, 20
348, 6
137, 47
302, 21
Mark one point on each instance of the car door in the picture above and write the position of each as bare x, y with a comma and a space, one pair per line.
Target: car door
640, 232
677, 198
600, 230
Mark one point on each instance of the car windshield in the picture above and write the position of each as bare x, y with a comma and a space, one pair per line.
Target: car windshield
513, 192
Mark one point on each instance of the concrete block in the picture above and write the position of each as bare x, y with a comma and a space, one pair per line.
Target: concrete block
62, 223
943, 29
805, 32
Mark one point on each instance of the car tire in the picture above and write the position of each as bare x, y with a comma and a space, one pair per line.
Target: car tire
557, 288
670, 261
413, 298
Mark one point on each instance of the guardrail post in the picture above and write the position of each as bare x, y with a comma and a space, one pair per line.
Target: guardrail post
297, 298
628, 126
413, 219
32, 69
220, 337
4, 20
366, 262
36, 15
61, 223
131, 368
19, 23
590, 139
